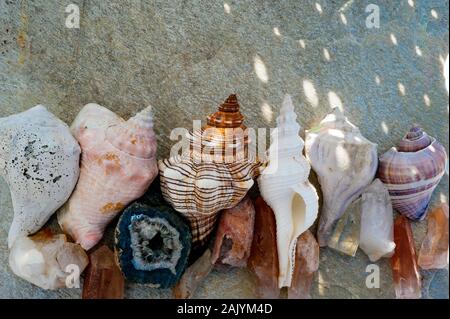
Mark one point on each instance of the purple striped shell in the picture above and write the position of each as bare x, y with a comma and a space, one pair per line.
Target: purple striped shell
411, 172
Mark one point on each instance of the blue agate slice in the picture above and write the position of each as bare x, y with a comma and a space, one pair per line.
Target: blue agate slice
152, 245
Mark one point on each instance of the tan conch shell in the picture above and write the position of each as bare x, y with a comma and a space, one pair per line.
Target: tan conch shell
215, 173
118, 164
345, 163
285, 187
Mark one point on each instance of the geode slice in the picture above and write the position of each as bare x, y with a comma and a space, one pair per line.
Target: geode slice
152, 245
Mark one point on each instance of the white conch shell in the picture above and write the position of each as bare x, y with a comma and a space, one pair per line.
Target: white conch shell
46, 260
39, 160
285, 187
377, 222
118, 164
345, 163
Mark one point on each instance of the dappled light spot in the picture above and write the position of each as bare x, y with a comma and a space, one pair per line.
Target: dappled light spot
377, 80
445, 72
260, 69
227, 8
267, 112
384, 127
335, 101
446, 167
319, 8
401, 88
418, 51
346, 5
342, 157
336, 133
394, 39
322, 285
310, 93
434, 14
326, 54
276, 31
302, 43
427, 100
443, 199
413, 170
343, 18
411, 3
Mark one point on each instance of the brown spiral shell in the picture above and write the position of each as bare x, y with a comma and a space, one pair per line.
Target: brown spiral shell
215, 174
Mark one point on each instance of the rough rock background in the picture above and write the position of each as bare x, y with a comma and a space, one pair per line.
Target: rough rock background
185, 57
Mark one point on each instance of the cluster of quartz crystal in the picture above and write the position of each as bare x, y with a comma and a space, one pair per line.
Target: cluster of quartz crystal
103, 278
434, 251
405, 271
235, 234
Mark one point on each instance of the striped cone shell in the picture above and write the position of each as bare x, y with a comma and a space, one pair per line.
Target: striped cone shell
411, 172
199, 185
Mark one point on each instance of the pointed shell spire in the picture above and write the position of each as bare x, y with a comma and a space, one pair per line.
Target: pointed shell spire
285, 138
415, 140
287, 120
143, 119
337, 120
228, 115
135, 136
223, 134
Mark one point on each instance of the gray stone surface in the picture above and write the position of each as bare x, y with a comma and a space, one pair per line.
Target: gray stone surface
185, 57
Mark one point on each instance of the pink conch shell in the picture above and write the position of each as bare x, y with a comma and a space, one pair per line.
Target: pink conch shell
118, 164
411, 172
